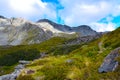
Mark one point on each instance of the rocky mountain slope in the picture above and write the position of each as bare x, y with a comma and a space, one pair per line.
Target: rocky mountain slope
64, 59
16, 31
61, 52
82, 30
83, 62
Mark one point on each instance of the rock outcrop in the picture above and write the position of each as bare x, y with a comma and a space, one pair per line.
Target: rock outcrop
83, 39
16, 72
2, 17
80, 31
110, 64
18, 31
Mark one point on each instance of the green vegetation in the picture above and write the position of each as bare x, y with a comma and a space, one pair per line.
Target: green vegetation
47, 45
80, 63
6, 69
25, 77
112, 39
10, 55
64, 49
70, 62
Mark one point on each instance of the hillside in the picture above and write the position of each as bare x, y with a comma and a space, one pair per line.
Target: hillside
19, 31
82, 63
16, 31
58, 52
63, 60
82, 30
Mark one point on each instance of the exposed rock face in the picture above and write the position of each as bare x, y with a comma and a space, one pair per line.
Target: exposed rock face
2, 17
83, 39
16, 72
82, 30
110, 64
17, 31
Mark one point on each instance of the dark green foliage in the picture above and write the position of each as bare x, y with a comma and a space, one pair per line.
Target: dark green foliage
86, 59
54, 72
6, 69
12, 54
80, 63
63, 50
47, 45
112, 39
10, 58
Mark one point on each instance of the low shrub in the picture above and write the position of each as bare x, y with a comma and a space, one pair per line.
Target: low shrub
11, 58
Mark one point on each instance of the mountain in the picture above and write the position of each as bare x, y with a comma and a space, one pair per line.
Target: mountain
79, 62
82, 30
2, 17
65, 59
16, 31
56, 51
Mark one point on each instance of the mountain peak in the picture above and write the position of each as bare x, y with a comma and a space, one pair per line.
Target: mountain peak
21, 30
44, 20
84, 27
2, 17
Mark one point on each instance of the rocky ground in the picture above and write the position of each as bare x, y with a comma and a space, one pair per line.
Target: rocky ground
16, 72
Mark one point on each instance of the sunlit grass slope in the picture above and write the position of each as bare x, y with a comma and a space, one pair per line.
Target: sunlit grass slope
10, 55
81, 63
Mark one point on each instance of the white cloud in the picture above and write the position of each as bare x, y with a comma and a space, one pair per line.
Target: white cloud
30, 9
101, 27
21, 6
75, 12
79, 12
84, 12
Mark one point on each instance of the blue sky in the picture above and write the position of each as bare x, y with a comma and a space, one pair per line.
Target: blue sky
101, 15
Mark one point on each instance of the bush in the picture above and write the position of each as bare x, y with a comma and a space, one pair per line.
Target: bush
61, 50
13, 57
54, 72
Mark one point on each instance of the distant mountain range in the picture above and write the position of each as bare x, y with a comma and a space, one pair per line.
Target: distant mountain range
16, 31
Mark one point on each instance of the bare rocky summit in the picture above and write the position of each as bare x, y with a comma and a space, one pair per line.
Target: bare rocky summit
17, 31
82, 30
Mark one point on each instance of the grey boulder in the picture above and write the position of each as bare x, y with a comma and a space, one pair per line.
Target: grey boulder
110, 64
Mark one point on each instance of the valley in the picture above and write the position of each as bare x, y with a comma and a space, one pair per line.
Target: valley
70, 53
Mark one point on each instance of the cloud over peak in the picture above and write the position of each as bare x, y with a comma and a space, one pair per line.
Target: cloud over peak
97, 13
